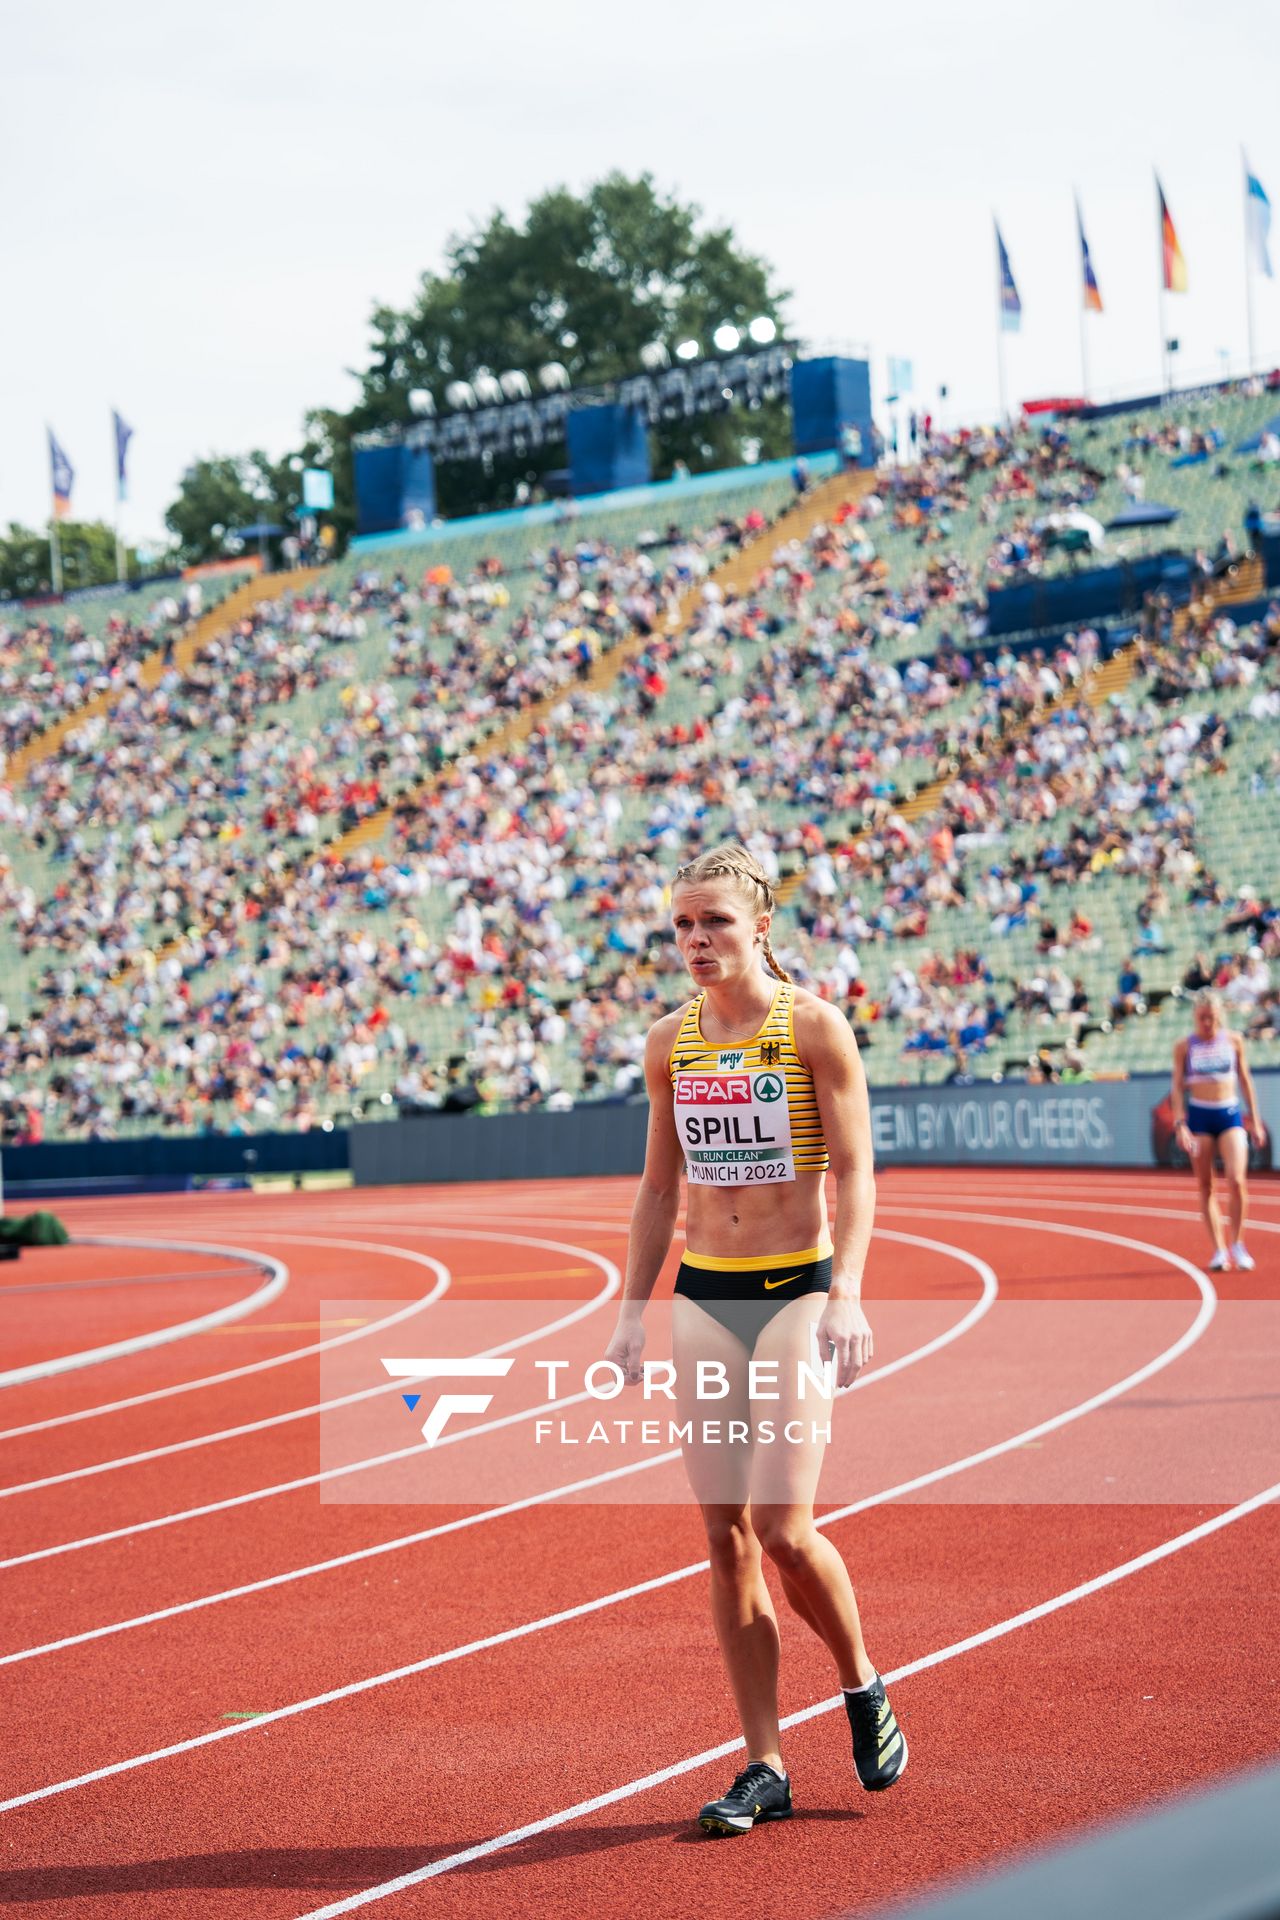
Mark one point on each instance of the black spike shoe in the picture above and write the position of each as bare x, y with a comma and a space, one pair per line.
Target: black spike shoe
758, 1793
879, 1744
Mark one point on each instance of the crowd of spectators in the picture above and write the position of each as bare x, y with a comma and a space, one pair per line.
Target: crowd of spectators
201, 955
51, 666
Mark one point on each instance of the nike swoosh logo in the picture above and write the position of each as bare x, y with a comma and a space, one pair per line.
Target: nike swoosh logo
769, 1285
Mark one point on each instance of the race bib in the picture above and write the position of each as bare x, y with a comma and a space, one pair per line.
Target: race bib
734, 1126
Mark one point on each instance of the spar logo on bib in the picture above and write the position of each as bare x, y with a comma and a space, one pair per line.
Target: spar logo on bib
769, 1087
713, 1089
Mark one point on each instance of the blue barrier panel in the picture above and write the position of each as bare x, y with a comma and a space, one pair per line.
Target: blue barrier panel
827, 396
663, 496
1090, 595
176, 1158
392, 482
608, 448
1102, 1123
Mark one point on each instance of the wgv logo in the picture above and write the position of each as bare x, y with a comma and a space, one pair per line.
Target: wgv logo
729, 1062
434, 1424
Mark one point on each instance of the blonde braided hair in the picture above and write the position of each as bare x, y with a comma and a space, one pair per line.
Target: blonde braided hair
729, 861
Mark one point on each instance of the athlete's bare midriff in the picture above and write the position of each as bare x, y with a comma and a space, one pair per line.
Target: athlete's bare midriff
750, 1222
1212, 1092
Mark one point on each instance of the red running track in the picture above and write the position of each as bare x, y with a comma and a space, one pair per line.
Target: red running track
126, 1645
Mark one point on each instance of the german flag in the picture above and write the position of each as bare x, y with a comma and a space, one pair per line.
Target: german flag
1172, 261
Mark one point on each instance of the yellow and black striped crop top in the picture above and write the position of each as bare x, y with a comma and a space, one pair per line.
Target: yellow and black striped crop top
695, 1061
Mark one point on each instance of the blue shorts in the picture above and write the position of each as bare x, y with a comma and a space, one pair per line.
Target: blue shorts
1213, 1120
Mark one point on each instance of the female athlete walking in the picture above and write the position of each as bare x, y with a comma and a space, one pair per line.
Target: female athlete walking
1210, 1075
755, 1091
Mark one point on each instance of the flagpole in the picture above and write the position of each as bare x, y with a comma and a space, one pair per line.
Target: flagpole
55, 554
1248, 264
1164, 330
1004, 404
115, 455
1084, 315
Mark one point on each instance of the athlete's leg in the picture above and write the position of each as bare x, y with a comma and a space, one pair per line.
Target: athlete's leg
1203, 1146
1235, 1160
741, 1609
784, 1484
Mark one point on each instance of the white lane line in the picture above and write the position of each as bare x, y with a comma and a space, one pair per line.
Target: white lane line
443, 1279
274, 1285
694, 1762
252, 1366
117, 1280
976, 1312
947, 1471
612, 1285
926, 1201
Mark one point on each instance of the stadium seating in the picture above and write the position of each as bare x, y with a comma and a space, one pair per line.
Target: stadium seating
409, 816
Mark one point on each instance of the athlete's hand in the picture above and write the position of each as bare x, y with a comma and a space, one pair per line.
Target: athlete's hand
626, 1349
1182, 1134
844, 1334
1258, 1131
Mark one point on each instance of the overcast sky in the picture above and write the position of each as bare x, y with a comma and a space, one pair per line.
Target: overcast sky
202, 204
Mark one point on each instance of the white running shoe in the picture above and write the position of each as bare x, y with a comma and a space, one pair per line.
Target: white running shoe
1221, 1261
1242, 1257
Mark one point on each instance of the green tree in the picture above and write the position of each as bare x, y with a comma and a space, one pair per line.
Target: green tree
88, 549
217, 494
226, 491
587, 280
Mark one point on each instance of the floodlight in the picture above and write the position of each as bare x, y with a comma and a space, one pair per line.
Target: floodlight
654, 357
422, 402
688, 350
487, 390
460, 394
553, 378
726, 338
515, 385
762, 330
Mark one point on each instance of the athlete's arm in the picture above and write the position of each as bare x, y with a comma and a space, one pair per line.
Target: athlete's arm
828, 1048
657, 1202
1177, 1097
1252, 1116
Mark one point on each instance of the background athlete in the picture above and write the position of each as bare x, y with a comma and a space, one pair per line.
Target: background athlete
762, 1275
1210, 1079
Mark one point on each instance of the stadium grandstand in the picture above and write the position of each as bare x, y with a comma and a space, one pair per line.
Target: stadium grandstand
395, 835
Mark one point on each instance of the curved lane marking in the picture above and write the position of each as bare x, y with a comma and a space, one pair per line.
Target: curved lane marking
251, 1366
612, 1285
1040, 1611
274, 1285
976, 1312
443, 1281
351, 1689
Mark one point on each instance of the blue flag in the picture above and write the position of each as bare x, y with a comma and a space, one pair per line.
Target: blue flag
1257, 218
124, 435
63, 476
1010, 304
